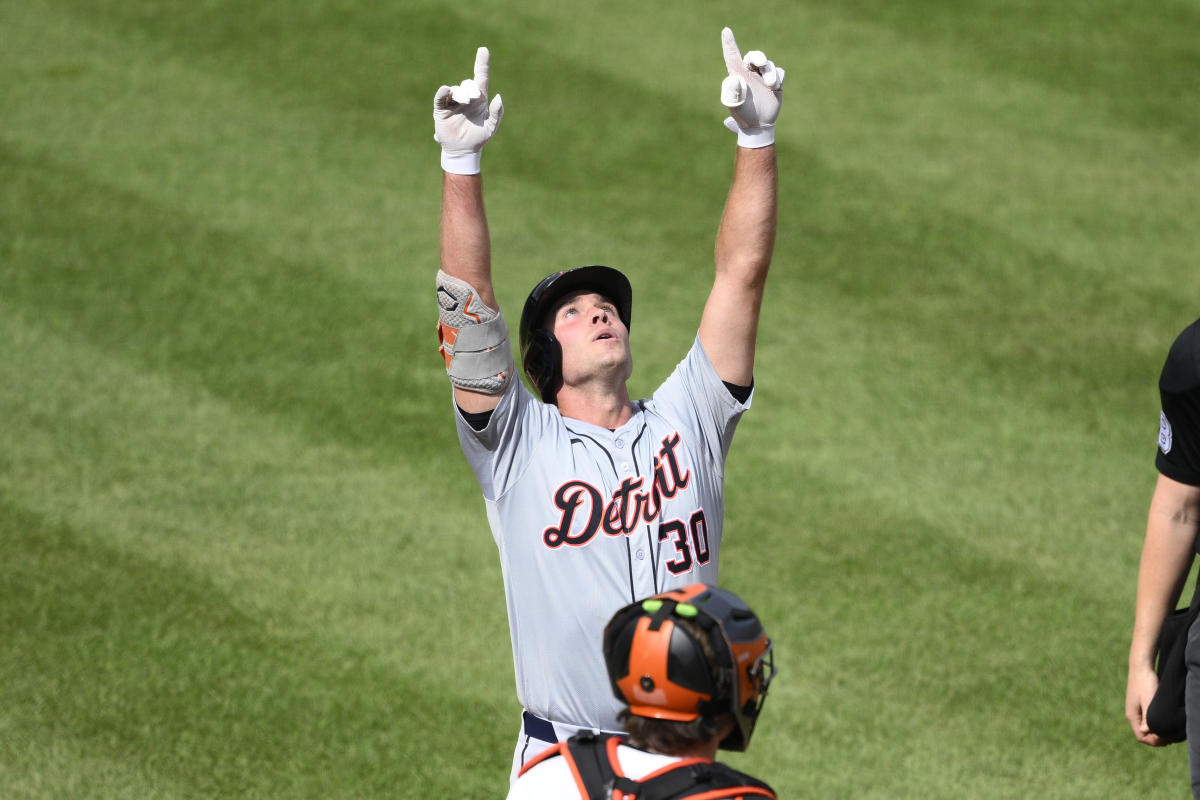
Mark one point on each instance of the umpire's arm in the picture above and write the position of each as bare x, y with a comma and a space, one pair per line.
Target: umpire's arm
1171, 529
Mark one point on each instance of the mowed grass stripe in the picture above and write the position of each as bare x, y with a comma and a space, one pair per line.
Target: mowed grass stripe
161, 289
1048, 166
914, 646
1008, 402
314, 536
292, 537
1141, 67
941, 109
633, 210
165, 682
306, 181
249, 146
920, 108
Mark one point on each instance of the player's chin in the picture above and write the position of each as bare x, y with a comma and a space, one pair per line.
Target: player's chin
617, 368
620, 357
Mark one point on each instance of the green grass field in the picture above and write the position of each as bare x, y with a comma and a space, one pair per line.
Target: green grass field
240, 553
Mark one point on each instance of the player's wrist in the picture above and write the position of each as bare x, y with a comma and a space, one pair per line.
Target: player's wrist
468, 163
754, 138
1141, 659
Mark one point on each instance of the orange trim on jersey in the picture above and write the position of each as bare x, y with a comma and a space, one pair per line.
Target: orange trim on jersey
561, 749
552, 750
683, 762
723, 794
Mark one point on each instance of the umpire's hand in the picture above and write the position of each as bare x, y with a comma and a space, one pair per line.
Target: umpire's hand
1139, 691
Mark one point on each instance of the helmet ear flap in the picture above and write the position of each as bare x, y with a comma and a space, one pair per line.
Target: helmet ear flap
542, 360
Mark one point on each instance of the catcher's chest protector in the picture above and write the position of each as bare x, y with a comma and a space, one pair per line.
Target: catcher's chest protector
593, 760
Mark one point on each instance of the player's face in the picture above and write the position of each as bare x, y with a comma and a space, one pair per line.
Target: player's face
592, 336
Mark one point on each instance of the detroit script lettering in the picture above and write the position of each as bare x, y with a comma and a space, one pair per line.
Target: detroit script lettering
627, 508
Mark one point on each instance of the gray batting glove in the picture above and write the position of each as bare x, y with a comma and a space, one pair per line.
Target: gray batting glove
753, 93
463, 121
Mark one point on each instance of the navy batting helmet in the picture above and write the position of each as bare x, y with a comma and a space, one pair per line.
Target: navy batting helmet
541, 355
660, 670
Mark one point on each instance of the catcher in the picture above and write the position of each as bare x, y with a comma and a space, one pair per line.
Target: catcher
692, 667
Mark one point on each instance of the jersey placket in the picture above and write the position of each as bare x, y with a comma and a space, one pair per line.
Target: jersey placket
634, 461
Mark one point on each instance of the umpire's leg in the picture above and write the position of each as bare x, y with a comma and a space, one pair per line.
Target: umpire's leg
1192, 705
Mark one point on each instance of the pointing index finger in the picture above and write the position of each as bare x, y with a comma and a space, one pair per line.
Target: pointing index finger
733, 56
482, 69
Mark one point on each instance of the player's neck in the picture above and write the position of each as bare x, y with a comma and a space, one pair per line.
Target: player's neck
606, 408
706, 750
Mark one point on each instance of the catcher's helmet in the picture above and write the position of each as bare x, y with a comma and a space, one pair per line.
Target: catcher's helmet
541, 355
659, 669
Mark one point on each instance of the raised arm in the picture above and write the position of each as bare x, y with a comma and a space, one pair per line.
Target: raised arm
746, 239
466, 248
473, 336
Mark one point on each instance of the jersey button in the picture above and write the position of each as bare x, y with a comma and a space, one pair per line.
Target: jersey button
641, 555
620, 443
624, 466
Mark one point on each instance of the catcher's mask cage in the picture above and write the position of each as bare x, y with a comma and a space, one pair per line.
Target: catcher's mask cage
659, 669
541, 355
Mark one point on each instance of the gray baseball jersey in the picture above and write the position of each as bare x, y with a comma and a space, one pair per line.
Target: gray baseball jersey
587, 520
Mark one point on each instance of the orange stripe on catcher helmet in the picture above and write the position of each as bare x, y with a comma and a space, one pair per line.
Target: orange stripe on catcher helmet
648, 658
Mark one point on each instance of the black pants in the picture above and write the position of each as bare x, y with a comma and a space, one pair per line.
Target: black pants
1191, 703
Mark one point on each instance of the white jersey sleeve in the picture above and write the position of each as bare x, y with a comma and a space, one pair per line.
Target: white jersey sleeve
696, 394
500, 453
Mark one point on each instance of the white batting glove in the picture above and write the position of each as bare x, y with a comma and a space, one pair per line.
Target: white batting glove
753, 92
463, 121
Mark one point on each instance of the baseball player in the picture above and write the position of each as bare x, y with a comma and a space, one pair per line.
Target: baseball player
691, 667
595, 499
1170, 543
